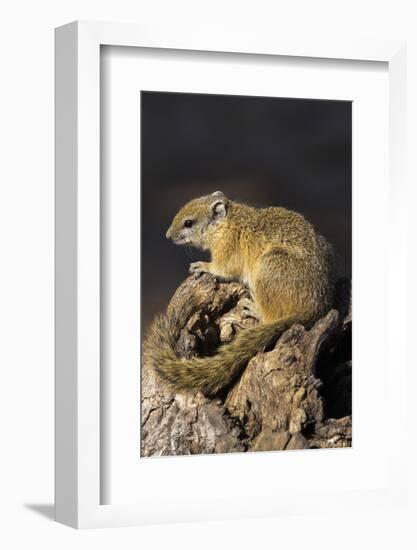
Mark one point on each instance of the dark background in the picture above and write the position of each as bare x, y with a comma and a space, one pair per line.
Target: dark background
294, 153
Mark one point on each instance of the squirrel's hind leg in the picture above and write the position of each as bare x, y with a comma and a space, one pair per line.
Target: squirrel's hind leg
274, 286
250, 309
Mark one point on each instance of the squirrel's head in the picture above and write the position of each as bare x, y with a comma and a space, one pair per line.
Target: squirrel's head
197, 221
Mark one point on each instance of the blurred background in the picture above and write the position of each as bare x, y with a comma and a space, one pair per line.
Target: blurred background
262, 151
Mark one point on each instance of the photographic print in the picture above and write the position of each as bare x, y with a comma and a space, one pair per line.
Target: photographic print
246, 237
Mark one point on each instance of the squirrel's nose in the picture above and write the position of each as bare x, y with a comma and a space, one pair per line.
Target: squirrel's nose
168, 234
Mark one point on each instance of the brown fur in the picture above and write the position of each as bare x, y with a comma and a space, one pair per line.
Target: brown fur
287, 266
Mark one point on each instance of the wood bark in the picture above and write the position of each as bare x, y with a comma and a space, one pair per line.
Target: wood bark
296, 395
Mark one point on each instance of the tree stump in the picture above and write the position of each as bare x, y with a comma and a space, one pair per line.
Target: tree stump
296, 395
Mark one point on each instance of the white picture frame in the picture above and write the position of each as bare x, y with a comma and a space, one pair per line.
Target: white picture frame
77, 420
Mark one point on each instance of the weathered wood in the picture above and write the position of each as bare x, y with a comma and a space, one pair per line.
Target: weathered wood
284, 398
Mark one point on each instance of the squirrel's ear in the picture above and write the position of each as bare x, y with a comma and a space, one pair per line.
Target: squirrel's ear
218, 209
218, 194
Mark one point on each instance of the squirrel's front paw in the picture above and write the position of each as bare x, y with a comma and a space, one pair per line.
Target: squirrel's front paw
198, 268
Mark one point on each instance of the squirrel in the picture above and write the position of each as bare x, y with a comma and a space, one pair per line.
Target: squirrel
288, 267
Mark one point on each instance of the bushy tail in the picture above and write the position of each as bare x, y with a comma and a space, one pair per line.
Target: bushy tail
207, 374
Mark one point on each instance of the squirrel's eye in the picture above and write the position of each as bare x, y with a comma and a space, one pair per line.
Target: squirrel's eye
188, 223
